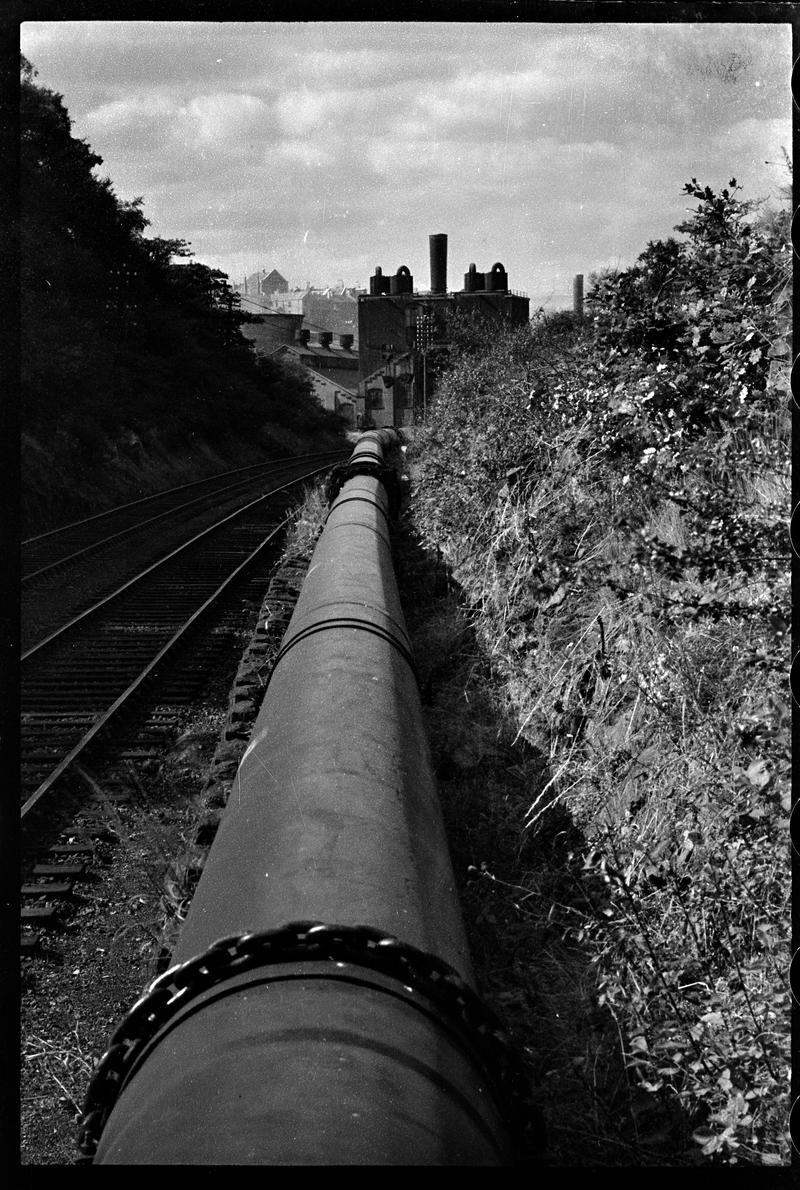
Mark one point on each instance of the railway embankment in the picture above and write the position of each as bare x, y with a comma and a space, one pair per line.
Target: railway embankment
60, 484
547, 910
615, 514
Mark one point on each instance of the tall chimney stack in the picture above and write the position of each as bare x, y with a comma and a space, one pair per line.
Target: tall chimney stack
438, 263
577, 297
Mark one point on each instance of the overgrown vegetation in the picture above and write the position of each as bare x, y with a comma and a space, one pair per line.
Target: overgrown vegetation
122, 333
612, 498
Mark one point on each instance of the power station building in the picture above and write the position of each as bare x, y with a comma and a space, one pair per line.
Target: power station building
384, 374
399, 328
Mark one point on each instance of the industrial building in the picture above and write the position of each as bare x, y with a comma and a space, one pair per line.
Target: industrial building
398, 329
380, 373
333, 369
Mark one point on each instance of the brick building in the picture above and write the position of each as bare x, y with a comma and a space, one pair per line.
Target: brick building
398, 328
333, 369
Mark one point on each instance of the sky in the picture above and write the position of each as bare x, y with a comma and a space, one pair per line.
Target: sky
323, 149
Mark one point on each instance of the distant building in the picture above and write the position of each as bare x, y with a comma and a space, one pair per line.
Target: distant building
388, 392
398, 330
380, 371
270, 328
333, 369
263, 284
334, 308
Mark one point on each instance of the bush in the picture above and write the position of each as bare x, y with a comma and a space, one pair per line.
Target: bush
612, 499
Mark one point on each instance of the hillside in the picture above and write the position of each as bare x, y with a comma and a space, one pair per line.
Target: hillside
612, 502
134, 370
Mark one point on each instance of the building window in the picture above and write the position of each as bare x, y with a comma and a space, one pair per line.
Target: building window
375, 398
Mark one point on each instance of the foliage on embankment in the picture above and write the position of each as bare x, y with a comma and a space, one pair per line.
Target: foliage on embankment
612, 499
122, 336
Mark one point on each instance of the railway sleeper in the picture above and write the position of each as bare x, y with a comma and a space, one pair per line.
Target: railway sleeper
49, 718
89, 830
48, 888
47, 732
44, 915
30, 942
243, 712
77, 871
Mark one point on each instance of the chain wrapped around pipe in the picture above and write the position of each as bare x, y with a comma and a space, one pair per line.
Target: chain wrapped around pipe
417, 970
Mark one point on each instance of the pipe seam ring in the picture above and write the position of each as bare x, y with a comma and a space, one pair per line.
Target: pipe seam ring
298, 941
352, 974
343, 622
361, 499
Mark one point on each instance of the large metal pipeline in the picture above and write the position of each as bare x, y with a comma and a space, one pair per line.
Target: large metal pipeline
300, 1044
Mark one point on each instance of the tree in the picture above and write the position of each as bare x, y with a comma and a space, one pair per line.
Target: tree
121, 330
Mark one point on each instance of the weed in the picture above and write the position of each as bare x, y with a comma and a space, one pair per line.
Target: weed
67, 1064
621, 545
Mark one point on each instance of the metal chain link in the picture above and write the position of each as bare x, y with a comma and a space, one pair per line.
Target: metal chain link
384, 472
310, 941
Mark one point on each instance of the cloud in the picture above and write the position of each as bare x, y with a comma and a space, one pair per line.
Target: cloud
309, 155
136, 120
527, 142
219, 117
206, 120
303, 110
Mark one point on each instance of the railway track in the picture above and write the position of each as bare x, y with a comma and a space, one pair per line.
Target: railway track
108, 680
50, 552
56, 547
68, 569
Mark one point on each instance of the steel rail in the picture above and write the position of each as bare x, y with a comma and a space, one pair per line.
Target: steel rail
99, 722
288, 1044
129, 530
171, 491
105, 718
59, 632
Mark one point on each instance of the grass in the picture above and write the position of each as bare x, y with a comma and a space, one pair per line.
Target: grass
308, 519
614, 782
67, 1064
522, 891
655, 698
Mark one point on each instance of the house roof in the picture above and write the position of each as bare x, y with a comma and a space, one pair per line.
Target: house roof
254, 282
350, 387
339, 293
259, 305
335, 355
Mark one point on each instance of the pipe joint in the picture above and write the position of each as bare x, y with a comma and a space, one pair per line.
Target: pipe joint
372, 467
368, 961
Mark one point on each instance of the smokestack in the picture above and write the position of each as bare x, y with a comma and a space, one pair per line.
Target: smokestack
577, 297
438, 263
